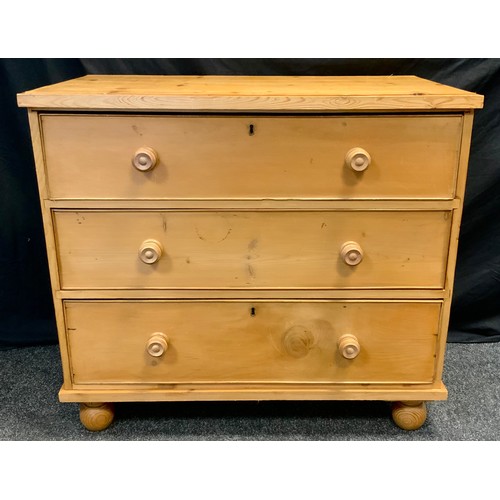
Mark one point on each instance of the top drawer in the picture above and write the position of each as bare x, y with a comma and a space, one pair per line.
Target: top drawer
252, 157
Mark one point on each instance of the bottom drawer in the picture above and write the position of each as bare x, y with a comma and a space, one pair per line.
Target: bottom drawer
163, 342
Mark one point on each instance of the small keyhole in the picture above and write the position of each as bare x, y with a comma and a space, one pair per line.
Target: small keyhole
252, 311
250, 129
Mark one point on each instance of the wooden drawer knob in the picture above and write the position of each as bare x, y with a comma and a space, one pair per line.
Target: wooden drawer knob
358, 159
351, 253
145, 159
349, 346
150, 251
157, 345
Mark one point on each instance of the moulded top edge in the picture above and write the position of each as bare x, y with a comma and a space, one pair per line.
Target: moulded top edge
249, 93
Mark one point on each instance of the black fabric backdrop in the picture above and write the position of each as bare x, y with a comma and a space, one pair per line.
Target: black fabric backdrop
26, 313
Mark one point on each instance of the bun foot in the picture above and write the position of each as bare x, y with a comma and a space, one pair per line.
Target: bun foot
96, 416
409, 415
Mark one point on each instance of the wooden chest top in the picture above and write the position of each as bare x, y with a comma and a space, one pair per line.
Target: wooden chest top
250, 93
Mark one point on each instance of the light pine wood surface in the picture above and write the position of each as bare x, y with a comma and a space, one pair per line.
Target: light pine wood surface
50, 244
257, 205
252, 392
454, 237
231, 341
216, 157
97, 416
252, 293
252, 249
409, 415
287, 238
244, 93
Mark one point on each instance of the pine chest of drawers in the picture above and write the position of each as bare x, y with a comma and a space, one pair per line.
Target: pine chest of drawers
251, 238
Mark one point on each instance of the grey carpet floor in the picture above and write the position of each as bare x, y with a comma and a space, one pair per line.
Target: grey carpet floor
29, 409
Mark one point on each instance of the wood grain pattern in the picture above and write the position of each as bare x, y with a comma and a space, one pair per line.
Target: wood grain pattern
96, 416
50, 245
409, 415
256, 392
252, 250
454, 237
286, 157
252, 293
247, 201
297, 204
243, 342
249, 93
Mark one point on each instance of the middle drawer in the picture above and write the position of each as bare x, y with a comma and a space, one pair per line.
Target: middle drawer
264, 249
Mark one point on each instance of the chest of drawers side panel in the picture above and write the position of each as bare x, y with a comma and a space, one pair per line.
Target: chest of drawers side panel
455, 232
37, 143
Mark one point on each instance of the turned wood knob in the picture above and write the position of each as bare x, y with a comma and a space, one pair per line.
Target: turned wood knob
349, 346
358, 159
351, 253
157, 345
145, 159
150, 251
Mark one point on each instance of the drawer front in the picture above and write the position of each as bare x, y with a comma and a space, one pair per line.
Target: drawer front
275, 249
203, 157
233, 341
